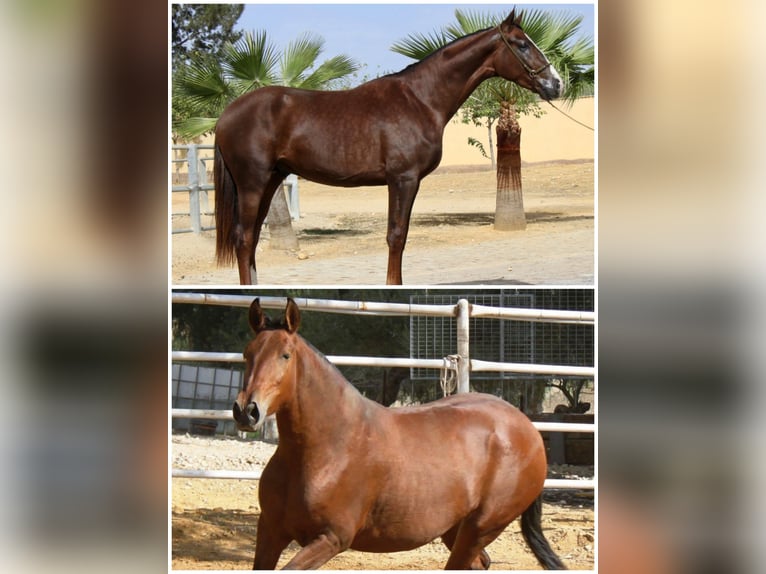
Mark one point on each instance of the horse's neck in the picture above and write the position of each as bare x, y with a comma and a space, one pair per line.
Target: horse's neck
444, 80
324, 406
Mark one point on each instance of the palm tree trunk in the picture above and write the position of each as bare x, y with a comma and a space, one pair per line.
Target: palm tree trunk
281, 233
509, 206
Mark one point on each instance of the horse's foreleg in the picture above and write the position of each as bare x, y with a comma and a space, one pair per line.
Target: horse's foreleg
481, 562
269, 545
467, 549
401, 196
317, 552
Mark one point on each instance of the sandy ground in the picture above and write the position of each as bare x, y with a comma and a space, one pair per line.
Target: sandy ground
451, 241
214, 520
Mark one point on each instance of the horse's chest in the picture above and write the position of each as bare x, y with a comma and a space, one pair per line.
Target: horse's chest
306, 494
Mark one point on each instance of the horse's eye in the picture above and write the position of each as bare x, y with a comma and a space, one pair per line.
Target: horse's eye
286, 356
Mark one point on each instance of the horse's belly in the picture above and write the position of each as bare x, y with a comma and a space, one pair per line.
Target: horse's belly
339, 177
377, 540
413, 515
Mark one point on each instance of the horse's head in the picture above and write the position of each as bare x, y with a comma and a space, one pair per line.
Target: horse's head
521, 61
270, 366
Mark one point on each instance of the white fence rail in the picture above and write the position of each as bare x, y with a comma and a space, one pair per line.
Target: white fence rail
462, 311
475, 365
550, 483
226, 415
195, 166
400, 309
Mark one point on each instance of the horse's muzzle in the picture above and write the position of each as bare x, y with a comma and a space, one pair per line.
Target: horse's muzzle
244, 417
550, 89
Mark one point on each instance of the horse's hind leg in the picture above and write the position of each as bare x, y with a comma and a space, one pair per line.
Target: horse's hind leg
480, 562
254, 202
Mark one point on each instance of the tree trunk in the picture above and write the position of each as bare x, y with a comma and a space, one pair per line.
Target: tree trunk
491, 147
509, 206
281, 233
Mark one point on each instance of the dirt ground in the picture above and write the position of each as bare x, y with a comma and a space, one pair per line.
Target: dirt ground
451, 241
214, 528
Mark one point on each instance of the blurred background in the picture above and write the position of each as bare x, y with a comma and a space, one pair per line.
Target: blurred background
679, 291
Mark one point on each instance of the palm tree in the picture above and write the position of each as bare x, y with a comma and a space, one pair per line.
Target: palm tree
203, 90
500, 101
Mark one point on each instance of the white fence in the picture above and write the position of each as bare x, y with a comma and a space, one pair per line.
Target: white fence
463, 311
195, 166
197, 186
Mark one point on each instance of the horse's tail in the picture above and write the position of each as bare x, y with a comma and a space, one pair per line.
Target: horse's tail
226, 211
532, 530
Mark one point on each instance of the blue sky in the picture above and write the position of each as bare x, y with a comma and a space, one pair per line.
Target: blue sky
367, 31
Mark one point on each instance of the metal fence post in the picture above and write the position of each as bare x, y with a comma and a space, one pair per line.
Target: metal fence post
203, 184
463, 344
194, 210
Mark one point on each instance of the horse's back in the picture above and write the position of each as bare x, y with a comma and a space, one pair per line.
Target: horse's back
466, 407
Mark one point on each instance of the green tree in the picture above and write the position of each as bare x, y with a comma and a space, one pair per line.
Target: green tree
499, 102
202, 30
199, 32
204, 88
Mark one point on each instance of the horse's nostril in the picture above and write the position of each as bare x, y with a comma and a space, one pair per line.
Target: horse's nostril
251, 410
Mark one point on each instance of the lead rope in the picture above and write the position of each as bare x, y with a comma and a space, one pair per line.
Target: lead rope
570, 117
448, 380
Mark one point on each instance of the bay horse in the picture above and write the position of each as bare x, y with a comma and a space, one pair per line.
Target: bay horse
351, 473
387, 131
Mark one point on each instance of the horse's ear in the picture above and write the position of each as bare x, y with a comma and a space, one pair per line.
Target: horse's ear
511, 16
257, 318
292, 316
519, 17
511, 21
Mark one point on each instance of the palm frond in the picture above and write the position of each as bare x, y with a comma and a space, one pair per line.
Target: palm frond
203, 87
472, 21
300, 55
329, 70
550, 31
193, 127
418, 46
251, 62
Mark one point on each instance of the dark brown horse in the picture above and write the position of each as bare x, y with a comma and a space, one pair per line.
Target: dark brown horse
350, 473
385, 132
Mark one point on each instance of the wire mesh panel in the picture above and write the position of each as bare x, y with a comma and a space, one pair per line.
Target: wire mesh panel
491, 339
510, 341
206, 388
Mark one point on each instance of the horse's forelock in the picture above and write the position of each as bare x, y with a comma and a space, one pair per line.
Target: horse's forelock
274, 325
